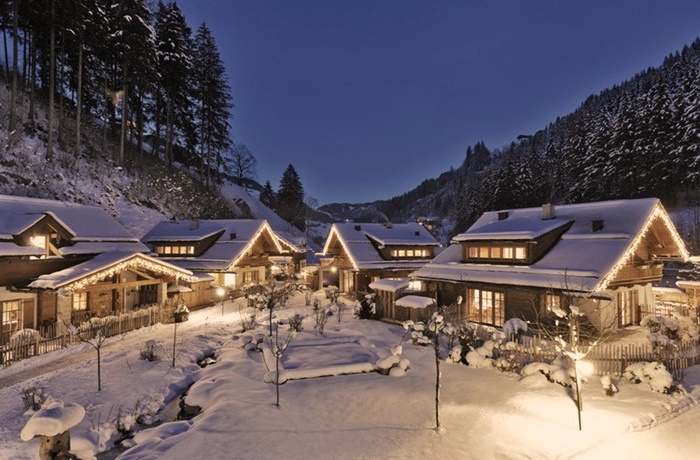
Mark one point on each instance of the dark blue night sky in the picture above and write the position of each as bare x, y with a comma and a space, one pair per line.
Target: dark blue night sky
367, 98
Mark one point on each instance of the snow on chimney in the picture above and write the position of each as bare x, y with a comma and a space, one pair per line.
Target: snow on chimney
548, 211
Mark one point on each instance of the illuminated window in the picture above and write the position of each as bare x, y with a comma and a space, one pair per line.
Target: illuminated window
485, 306
520, 253
552, 301
496, 253
473, 252
80, 301
507, 253
415, 285
250, 277
402, 253
167, 250
409, 253
11, 315
38, 241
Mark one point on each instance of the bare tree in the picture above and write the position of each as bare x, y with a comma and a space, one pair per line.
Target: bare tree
93, 333
242, 164
271, 296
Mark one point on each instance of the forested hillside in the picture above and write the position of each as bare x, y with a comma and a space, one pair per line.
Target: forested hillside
638, 139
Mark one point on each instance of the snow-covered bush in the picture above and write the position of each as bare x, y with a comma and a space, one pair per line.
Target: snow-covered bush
608, 385
295, 322
653, 373
674, 328
151, 351
33, 397
514, 327
366, 309
558, 371
393, 365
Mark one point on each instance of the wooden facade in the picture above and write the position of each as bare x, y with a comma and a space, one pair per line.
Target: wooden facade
612, 283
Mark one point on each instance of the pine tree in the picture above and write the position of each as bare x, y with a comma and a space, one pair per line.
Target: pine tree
213, 104
171, 104
268, 197
290, 199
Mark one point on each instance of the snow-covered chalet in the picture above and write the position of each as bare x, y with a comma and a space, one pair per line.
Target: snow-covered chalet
357, 254
235, 252
603, 256
62, 263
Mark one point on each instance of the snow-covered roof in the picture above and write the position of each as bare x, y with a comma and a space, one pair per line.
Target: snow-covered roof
361, 241
415, 301
84, 223
582, 260
389, 285
96, 266
234, 237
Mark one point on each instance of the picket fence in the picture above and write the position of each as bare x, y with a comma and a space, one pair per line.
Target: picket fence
59, 336
608, 358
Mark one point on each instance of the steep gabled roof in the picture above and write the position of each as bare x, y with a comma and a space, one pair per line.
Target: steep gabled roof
91, 229
582, 259
361, 241
103, 265
235, 237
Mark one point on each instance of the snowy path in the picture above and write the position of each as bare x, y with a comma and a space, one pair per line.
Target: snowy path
60, 359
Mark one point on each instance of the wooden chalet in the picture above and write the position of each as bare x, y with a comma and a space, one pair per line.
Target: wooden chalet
356, 254
523, 263
64, 262
234, 252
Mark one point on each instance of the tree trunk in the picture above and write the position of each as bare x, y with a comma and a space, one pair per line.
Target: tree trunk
52, 81
99, 368
79, 99
168, 133
125, 99
60, 89
13, 95
437, 381
32, 80
7, 55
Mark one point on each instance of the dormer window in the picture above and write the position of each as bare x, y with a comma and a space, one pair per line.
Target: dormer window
498, 253
174, 250
409, 253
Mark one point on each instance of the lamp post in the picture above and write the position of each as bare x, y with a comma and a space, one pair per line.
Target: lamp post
220, 292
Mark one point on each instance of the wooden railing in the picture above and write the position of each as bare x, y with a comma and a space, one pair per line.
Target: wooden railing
59, 336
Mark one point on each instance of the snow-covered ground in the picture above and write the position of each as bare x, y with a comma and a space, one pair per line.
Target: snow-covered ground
485, 414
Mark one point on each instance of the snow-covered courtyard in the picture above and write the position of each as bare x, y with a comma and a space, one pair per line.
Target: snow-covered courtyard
484, 413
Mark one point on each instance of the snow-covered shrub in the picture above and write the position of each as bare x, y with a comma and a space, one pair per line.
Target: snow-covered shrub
33, 397
321, 316
558, 371
366, 308
295, 322
514, 327
150, 351
608, 385
393, 365
653, 373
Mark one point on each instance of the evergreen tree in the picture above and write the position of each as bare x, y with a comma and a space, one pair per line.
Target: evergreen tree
290, 199
213, 104
268, 197
171, 105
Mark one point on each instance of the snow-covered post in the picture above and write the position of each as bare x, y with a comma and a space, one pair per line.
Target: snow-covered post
51, 423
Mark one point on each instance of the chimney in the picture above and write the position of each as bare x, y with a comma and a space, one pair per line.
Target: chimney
232, 236
358, 228
388, 224
597, 225
194, 224
548, 211
417, 233
503, 215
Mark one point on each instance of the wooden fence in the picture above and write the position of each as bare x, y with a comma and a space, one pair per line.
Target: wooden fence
609, 358
56, 337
